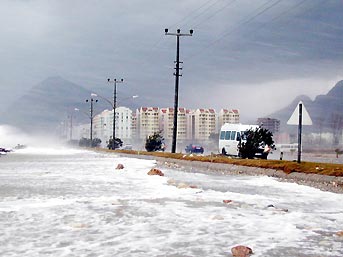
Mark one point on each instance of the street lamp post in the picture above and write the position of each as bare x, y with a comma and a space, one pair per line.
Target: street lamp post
112, 104
114, 81
178, 34
91, 100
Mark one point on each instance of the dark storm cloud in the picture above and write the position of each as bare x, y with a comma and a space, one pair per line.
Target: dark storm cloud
238, 48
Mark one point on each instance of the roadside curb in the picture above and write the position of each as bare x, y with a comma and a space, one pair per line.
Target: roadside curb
322, 182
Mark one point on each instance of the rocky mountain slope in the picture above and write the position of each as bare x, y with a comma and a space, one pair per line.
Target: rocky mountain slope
326, 111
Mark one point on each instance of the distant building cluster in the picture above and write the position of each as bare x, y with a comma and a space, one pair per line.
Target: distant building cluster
131, 126
273, 125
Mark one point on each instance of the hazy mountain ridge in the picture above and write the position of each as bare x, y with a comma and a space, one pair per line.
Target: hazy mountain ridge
50, 102
325, 111
47, 104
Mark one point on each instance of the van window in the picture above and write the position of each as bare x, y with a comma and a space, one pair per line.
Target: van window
227, 135
233, 135
238, 136
222, 135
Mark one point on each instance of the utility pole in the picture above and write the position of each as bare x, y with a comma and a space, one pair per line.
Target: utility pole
177, 74
114, 81
91, 117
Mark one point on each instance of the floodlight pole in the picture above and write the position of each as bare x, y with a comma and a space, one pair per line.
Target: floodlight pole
177, 74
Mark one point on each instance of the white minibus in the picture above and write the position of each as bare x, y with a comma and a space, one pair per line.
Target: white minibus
230, 136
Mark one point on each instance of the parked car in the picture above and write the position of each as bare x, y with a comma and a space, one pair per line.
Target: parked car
194, 149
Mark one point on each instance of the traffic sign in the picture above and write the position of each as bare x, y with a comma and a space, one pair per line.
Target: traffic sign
294, 119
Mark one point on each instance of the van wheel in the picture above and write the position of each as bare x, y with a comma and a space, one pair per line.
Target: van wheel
223, 151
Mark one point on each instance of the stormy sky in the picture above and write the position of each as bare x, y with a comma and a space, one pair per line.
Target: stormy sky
253, 55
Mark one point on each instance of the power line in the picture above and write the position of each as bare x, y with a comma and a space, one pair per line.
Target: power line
240, 25
189, 16
213, 14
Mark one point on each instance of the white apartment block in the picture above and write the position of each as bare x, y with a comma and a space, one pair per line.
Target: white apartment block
201, 123
227, 116
166, 120
147, 121
81, 131
123, 123
103, 125
100, 122
134, 127
194, 125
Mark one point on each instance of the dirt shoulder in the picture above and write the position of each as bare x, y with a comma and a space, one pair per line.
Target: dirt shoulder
323, 182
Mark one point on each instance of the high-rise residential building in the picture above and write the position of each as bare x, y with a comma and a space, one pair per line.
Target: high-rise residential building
81, 131
228, 116
166, 120
201, 123
134, 128
103, 125
147, 121
271, 124
192, 125
123, 123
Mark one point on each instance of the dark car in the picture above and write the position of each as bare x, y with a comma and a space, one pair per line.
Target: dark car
194, 149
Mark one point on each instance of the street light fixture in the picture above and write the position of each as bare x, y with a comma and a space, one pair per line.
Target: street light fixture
91, 100
114, 81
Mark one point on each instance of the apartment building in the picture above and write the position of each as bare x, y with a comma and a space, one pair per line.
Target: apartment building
166, 121
271, 124
227, 116
201, 123
103, 125
147, 121
192, 125
134, 125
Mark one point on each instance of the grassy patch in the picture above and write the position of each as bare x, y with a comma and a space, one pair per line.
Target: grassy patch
286, 166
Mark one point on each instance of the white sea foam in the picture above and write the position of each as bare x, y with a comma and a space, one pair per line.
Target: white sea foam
79, 205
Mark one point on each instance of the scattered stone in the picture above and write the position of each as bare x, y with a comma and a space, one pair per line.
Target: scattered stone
79, 225
182, 185
171, 182
120, 166
193, 186
155, 171
227, 201
241, 251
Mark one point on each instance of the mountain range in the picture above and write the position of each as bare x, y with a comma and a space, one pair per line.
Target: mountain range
50, 102
326, 111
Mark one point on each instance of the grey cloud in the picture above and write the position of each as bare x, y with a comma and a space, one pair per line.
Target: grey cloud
88, 41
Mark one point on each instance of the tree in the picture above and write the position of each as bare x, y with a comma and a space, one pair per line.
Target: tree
154, 142
96, 142
255, 142
117, 143
86, 142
